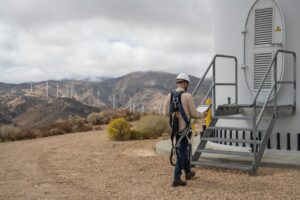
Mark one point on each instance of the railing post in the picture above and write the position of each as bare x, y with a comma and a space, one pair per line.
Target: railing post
275, 86
254, 135
295, 83
214, 87
236, 80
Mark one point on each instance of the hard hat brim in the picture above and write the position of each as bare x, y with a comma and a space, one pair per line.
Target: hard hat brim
181, 80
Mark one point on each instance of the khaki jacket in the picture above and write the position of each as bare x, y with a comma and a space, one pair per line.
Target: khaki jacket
188, 106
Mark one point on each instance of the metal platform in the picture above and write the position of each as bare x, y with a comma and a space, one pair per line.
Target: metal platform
260, 117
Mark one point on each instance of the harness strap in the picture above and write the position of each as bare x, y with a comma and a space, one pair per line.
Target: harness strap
181, 110
176, 105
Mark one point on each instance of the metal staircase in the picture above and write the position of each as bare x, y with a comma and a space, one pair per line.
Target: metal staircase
257, 121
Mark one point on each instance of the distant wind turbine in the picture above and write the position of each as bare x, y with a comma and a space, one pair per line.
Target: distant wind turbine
130, 104
114, 101
47, 89
160, 108
67, 90
98, 96
57, 90
72, 89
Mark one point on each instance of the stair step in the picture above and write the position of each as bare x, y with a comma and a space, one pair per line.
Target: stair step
233, 128
235, 153
231, 140
243, 167
237, 105
238, 117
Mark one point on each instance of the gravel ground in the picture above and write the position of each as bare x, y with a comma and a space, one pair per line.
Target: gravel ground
89, 166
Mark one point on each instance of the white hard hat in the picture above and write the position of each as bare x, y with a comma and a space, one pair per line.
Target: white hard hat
182, 77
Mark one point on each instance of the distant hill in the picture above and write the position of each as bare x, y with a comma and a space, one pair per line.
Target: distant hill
5, 115
44, 115
145, 89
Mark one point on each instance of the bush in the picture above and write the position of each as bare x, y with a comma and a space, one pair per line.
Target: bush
63, 125
82, 128
28, 134
94, 119
9, 132
106, 116
12, 133
131, 116
152, 126
74, 124
55, 131
119, 129
135, 135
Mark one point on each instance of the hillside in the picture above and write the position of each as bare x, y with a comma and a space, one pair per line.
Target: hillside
147, 91
44, 115
5, 115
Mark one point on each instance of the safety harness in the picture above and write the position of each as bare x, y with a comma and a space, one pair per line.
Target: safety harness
176, 106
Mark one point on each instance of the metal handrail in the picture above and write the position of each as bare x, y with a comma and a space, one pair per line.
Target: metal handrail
274, 86
214, 84
270, 67
273, 89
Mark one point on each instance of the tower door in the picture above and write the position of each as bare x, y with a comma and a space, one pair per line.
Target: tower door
264, 36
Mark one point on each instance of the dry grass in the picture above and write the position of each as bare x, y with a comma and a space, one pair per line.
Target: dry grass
12, 133
148, 127
152, 126
72, 125
107, 116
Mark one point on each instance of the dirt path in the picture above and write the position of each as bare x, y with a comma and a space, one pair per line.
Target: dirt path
88, 166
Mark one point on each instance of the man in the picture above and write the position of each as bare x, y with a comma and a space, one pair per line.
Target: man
183, 115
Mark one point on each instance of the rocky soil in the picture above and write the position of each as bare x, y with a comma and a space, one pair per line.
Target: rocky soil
89, 166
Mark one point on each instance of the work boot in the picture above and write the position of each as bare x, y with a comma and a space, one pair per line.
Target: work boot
179, 183
189, 175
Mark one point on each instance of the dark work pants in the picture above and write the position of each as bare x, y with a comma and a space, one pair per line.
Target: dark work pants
182, 162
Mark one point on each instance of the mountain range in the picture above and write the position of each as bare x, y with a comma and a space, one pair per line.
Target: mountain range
145, 90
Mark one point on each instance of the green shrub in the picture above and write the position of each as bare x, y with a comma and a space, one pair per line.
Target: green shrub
119, 129
152, 126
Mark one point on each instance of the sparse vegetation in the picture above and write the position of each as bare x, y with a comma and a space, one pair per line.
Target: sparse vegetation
78, 124
106, 116
12, 133
72, 125
147, 127
152, 126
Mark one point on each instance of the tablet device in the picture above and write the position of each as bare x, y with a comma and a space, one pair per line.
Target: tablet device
203, 108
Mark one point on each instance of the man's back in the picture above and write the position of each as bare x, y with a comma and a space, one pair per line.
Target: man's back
188, 106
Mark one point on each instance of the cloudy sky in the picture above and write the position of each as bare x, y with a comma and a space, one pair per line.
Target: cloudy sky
56, 39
